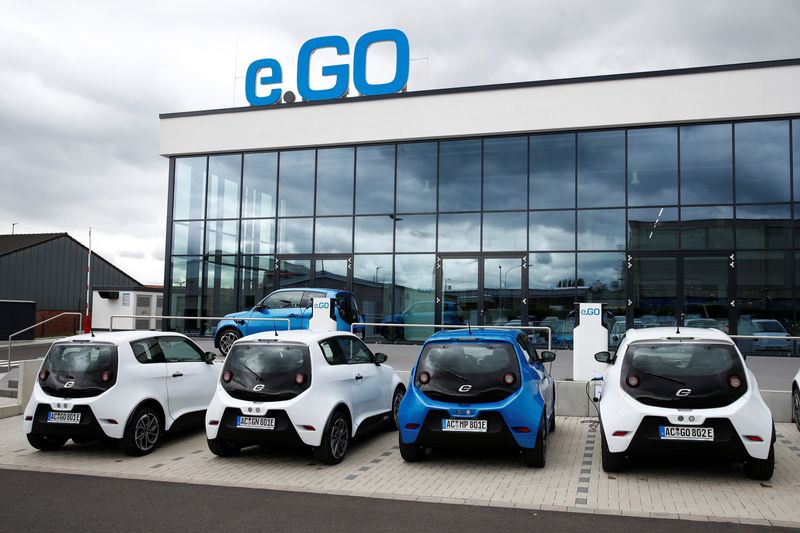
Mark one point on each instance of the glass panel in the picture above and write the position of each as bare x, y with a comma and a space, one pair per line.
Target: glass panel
222, 236
762, 161
459, 291
415, 233
459, 233
551, 291
553, 171
260, 182
602, 278
334, 235
653, 228
502, 292
258, 236
763, 226
186, 273
414, 283
654, 291
460, 175
505, 232
505, 173
416, 177
183, 304
295, 182
190, 188
552, 230
374, 234
224, 173
705, 292
187, 238
220, 289
602, 229
335, 181
372, 285
796, 157
294, 235
653, 166
601, 169
256, 277
330, 273
375, 179
706, 164
707, 228
294, 273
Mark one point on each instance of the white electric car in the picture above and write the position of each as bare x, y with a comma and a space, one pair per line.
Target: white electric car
796, 400
687, 393
131, 386
301, 387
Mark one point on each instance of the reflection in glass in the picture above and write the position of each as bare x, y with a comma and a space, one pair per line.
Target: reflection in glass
762, 161
416, 177
296, 182
502, 294
415, 233
707, 228
187, 238
294, 273
334, 181
256, 276
334, 235
705, 289
552, 171
552, 230
505, 173
763, 226
551, 288
601, 229
414, 286
224, 176
258, 236
601, 169
294, 235
655, 292
459, 291
460, 175
222, 237
260, 180
458, 232
372, 286
330, 273
796, 157
505, 232
653, 228
190, 188
186, 273
706, 164
373, 234
220, 288
601, 278
653, 166
375, 179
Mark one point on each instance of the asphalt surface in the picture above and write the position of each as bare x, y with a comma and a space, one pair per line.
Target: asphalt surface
36, 501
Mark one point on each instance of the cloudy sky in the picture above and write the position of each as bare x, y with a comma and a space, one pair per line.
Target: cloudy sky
82, 83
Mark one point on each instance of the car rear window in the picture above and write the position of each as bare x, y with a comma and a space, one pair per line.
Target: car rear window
267, 372
79, 370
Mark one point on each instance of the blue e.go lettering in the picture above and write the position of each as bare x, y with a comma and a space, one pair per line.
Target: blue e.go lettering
591, 311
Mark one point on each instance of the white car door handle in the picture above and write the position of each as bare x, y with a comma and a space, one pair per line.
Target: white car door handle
177, 374
359, 376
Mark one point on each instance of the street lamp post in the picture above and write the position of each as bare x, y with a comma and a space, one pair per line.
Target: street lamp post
376, 273
500, 280
12, 227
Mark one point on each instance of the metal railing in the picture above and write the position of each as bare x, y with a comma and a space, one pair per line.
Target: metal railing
75, 313
460, 326
148, 317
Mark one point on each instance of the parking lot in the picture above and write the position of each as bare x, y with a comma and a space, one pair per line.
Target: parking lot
572, 480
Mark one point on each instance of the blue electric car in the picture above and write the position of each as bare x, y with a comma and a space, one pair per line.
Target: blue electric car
479, 388
293, 305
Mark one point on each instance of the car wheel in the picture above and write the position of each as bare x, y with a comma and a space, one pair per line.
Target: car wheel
222, 448
612, 462
537, 456
553, 421
796, 410
227, 338
335, 440
761, 469
46, 443
143, 432
411, 453
397, 397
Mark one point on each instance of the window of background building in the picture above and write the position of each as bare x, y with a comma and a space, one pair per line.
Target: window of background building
224, 176
372, 285
763, 226
335, 181
551, 287
707, 228
375, 179
653, 228
460, 176
256, 279
222, 236
187, 237
258, 236
190, 188
706, 164
505, 173
260, 181
602, 278
762, 161
505, 232
601, 169
552, 171
415, 283
460, 232
416, 177
296, 183
653, 166
796, 157
220, 287
334, 235
552, 230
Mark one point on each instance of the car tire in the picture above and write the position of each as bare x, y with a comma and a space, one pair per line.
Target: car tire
796, 407
612, 462
335, 440
761, 469
553, 422
46, 443
222, 448
143, 432
397, 397
226, 339
411, 453
536, 457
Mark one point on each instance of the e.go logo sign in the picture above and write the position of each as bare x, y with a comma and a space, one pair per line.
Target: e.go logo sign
322, 305
340, 72
591, 311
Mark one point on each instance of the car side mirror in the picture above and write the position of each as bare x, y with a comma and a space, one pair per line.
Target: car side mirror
209, 357
548, 356
603, 357
259, 307
380, 358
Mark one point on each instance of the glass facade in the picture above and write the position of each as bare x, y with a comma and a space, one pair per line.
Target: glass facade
656, 222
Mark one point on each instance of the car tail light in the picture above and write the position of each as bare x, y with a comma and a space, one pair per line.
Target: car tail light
424, 377
754, 438
300, 378
308, 428
521, 429
227, 376
412, 426
509, 378
213, 422
620, 433
632, 381
28, 418
43, 375
106, 376
735, 382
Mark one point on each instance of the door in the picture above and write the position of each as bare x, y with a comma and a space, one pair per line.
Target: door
190, 380
358, 374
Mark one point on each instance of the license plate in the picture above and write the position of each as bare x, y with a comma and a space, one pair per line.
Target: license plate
56, 417
255, 422
686, 433
463, 424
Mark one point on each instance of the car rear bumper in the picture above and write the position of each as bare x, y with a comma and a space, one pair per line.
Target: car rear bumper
87, 429
283, 433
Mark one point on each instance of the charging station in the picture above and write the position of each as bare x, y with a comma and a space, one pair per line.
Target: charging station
589, 337
323, 315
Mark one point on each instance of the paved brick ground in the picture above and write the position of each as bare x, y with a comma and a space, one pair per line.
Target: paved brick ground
573, 479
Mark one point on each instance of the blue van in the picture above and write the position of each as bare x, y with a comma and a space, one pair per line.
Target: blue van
293, 304
479, 388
